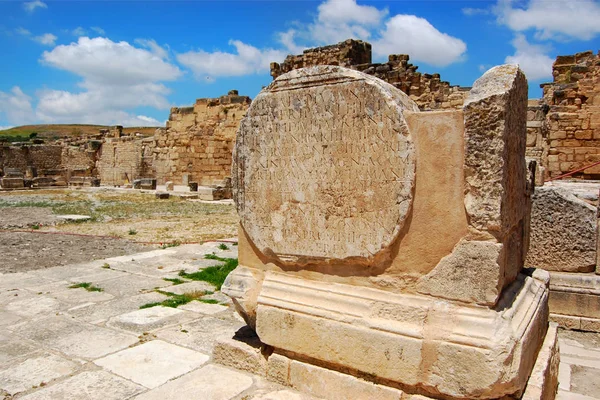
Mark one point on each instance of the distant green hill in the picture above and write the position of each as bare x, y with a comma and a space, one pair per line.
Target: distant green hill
53, 132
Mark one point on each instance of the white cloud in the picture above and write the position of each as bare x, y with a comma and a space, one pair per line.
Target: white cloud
79, 31
30, 6
338, 20
23, 31
245, 61
475, 11
3, 128
409, 34
104, 61
98, 30
532, 59
16, 107
117, 77
47, 39
287, 39
556, 19
155, 48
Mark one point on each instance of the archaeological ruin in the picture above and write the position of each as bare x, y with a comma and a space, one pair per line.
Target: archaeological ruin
194, 151
375, 267
194, 148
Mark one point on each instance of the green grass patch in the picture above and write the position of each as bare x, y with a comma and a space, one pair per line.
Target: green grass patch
176, 281
176, 300
106, 266
223, 246
209, 301
214, 275
87, 286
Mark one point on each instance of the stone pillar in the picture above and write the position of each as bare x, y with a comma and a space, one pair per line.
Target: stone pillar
386, 243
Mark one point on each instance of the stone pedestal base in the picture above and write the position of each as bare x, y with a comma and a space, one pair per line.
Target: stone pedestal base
246, 352
575, 300
416, 344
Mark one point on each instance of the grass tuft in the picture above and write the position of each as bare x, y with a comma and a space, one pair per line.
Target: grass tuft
176, 300
87, 286
223, 246
214, 275
175, 281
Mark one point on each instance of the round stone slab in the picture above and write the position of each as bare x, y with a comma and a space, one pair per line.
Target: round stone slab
324, 166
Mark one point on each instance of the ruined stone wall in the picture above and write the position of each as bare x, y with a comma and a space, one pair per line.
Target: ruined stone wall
427, 90
79, 160
573, 118
41, 157
197, 144
120, 161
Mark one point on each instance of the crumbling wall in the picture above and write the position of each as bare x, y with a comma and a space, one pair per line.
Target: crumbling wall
79, 160
41, 157
573, 118
197, 144
120, 160
427, 90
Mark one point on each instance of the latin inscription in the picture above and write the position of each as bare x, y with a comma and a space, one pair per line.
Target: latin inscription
324, 171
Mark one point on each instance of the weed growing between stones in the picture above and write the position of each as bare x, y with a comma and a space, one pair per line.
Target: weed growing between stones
214, 275
106, 266
223, 246
132, 231
175, 281
176, 300
87, 286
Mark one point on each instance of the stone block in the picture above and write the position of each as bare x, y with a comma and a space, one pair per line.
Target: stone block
378, 257
543, 382
153, 363
563, 232
12, 183
35, 370
212, 382
89, 385
575, 294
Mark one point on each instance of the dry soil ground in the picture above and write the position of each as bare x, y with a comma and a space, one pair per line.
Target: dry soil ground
122, 222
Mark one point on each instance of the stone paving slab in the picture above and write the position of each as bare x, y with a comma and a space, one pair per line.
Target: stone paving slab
201, 334
204, 308
131, 285
39, 368
12, 348
37, 306
98, 313
74, 338
190, 287
89, 385
153, 363
150, 319
212, 382
78, 344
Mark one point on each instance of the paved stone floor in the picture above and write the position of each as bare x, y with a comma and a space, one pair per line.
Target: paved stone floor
63, 343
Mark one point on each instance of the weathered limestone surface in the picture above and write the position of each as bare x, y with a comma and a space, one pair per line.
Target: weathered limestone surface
333, 176
563, 232
496, 198
345, 262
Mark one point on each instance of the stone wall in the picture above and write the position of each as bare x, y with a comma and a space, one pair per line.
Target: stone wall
573, 117
427, 90
197, 143
41, 157
120, 161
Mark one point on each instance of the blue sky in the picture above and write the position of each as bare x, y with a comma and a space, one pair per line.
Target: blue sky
128, 62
